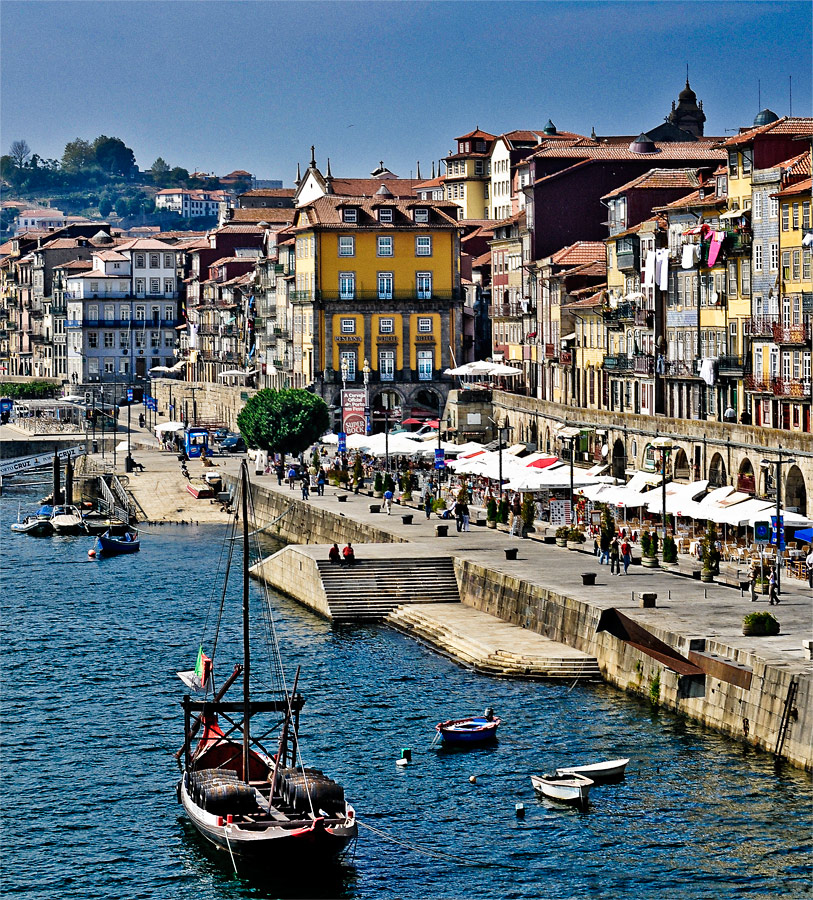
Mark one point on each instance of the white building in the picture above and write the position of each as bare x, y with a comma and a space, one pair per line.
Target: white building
192, 204
122, 315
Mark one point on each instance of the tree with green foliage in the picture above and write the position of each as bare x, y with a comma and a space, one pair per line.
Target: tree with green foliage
528, 511
78, 156
283, 421
159, 171
122, 207
105, 206
178, 176
31, 390
709, 551
113, 155
7, 215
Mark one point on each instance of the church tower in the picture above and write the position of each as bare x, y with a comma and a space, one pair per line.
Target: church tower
688, 115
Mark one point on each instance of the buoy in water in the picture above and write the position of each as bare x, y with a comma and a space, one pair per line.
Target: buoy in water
406, 754
402, 762
519, 809
92, 553
472, 779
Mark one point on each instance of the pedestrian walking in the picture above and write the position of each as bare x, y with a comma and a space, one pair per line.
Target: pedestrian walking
626, 554
464, 516
457, 510
809, 564
305, 488
604, 547
291, 478
428, 503
615, 557
388, 501
752, 583
773, 591
516, 511
320, 483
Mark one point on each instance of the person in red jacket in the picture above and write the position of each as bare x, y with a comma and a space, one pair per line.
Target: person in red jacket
626, 554
349, 555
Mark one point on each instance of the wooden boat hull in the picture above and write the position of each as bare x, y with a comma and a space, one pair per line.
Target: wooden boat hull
34, 526
611, 770
111, 546
312, 843
469, 732
573, 789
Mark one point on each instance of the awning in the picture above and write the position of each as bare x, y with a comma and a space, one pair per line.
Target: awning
570, 337
734, 214
598, 469
567, 431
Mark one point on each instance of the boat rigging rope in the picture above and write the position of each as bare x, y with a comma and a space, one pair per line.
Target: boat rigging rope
228, 844
438, 854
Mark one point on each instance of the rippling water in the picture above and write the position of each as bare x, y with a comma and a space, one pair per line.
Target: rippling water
91, 720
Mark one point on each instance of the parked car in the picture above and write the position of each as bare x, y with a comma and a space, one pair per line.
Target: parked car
219, 434
233, 443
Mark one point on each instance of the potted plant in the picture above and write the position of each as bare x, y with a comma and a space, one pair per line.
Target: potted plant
389, 483
650, 549
358, 473
574, 538
760, 624
670, 552
711, 555
561, 535
491, 513
503, 512
378, 485
528, 513
406, 486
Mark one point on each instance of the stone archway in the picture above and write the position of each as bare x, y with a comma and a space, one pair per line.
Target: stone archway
795, 495
680, 467
746, 480
426, 401
619, 460
385, 408
547, 439
717, 472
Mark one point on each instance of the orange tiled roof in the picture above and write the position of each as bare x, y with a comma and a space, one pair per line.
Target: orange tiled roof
270, 192
433, 182
788, 126
579, 253
76, 264
477, 133
659, 178
325, 212
588, 302
366, 187
484, 259
587, 149
271, 214
795, 189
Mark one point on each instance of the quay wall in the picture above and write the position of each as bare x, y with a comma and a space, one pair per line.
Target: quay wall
752, 716
296, 574
200, 401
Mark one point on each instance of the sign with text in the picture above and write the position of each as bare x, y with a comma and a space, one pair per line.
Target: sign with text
129, 395
781, 532
762, 532
440, 458
342, 442
559, 512
353, 419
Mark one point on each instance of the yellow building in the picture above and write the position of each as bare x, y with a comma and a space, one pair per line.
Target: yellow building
381, 277
467, 178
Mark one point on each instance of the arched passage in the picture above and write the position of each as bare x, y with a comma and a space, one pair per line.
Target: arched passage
427, 403
547, 439
619, 460
717, 472
385, 410
746, 481
680, 468
795, 491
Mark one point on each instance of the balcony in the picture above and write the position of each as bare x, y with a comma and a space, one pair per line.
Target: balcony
627, 260
758, 385
623, 314
644, 317
738, 241
396, 296
507, 310
280, 331
791, 334
619, 363
786, 387
302, 296
732, 366
643, 364
678, 368
760, 326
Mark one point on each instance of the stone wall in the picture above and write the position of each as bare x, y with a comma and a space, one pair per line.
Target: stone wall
200, 401
752, 715
297, 575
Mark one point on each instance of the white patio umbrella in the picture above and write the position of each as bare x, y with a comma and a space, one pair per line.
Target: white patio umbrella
169, 426
471, 368
503, 371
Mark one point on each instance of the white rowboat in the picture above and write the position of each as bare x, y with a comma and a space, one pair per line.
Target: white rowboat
601, 771
564, 788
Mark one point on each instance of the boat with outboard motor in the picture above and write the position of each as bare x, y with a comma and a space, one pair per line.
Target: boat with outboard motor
67, 519
109, 544
471, 731
262, 807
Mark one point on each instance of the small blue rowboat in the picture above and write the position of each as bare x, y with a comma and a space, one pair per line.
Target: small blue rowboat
108, 544
471, 731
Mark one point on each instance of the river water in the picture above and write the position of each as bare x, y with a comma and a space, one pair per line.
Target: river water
91, 720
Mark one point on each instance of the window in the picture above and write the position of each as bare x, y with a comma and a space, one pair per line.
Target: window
424, 325
425, 365
350, 214
124, 366
140, 285
747, 159
745, 274
139, 261
347, 245
797, 264
795, 217
774, 208
424, 285
732, 163
155, 285
155, 339
109, 339
155, 312
757, 257
774, 251
155, 260
347, 285
786, 264
169, 313
94, 287
806, 264
785, 217
386, 365
806, 214
93, 366
169, 262
385, 285
347, 363
385, 214
348, 326
109, 366
169, 286
478, 167
423, 246
140, 312
385, 246
386, 326
109, 312
757, 205
93, 339
422, 215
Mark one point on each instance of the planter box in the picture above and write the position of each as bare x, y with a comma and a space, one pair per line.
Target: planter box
490, 523
407, 520
650, 562
561, 542
574, 545
511, 552
588, 579
707, 577
441, 530
375, 507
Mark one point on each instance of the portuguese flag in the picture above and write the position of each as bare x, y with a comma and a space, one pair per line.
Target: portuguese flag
203, 667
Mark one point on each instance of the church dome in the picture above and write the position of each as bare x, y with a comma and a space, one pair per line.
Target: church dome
765, 117
550, 128
643, 144
687, 94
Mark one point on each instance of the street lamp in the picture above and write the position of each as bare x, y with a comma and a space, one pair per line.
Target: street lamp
385, 402
778, 463
365, 371
664, 445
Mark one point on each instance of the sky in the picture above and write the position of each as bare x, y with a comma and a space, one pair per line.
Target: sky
218, 86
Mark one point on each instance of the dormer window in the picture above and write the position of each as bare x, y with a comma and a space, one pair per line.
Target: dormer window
385, 214
350, 214
421, 215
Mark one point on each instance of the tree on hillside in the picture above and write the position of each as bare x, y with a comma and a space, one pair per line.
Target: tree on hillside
178, 176
78, 156
122, 207
19, 152
113, 155
284, 421
159, 170
105, 206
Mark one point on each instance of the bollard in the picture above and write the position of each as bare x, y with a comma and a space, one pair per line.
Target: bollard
647, 599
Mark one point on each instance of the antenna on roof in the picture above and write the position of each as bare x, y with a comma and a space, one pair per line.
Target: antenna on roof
759, 94
790, 95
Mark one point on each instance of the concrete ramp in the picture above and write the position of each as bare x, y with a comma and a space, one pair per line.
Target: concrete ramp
368, 591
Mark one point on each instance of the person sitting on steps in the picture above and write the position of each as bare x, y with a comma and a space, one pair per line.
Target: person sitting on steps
334, 555
349, 555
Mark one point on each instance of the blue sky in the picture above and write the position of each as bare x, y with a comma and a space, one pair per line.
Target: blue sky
226, 85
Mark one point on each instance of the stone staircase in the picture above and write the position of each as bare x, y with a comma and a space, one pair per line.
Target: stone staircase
373, 588
531, 656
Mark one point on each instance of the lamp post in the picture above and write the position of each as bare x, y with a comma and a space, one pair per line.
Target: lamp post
664, 445
365, 371
572, 454
778, 463
385, 402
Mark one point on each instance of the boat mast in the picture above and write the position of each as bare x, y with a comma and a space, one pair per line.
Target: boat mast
246, 654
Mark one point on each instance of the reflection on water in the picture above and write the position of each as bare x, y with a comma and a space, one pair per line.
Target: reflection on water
92, 719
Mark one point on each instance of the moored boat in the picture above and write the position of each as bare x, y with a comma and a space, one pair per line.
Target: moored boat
611, 770
109, 544
470, 731
266, 812
33, 525
564, 788
67, 519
